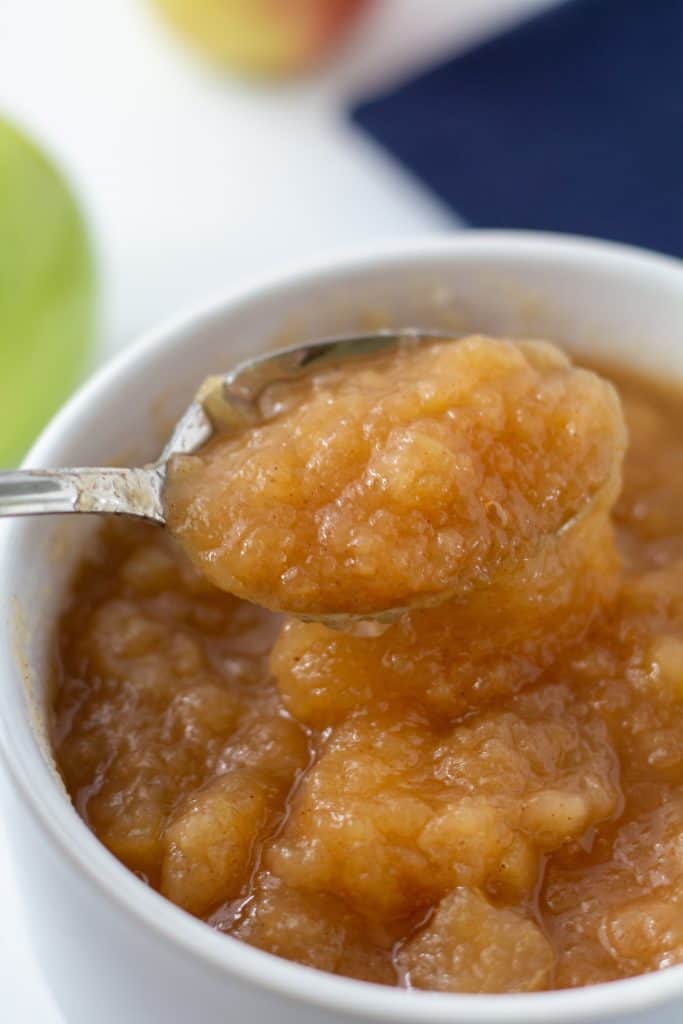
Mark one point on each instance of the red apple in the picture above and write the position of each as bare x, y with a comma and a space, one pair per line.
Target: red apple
273, 37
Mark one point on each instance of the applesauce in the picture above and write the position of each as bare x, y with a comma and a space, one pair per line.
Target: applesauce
487, 796
386, 481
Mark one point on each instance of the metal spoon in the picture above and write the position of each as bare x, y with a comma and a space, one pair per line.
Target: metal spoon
221, 401
232, 398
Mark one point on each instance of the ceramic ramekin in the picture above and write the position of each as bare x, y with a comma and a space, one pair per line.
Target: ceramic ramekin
113, 950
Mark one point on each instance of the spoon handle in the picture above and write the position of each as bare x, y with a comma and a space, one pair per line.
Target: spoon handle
132, 492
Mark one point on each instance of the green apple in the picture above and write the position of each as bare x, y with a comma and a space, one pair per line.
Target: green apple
46, 292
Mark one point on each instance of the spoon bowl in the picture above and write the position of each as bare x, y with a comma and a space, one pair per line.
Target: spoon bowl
222, 403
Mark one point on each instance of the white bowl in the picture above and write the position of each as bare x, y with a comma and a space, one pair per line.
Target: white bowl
112, 949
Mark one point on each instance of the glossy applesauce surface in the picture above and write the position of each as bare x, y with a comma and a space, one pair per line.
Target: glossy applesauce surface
488, 796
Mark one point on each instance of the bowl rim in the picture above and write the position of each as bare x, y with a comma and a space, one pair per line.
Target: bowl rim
57, 818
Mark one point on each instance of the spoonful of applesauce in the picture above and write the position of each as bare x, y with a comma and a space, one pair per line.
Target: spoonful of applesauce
354, 478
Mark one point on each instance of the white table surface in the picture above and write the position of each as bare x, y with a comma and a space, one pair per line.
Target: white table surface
192, 180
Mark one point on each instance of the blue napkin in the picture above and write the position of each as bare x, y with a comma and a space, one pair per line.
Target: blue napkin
571, 121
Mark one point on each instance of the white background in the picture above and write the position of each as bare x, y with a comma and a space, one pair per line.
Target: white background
192, 180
